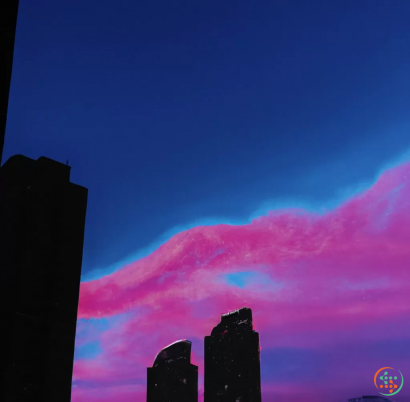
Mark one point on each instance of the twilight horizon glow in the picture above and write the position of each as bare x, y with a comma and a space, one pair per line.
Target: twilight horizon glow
329, 294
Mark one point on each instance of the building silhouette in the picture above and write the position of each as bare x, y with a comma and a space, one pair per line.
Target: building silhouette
232, 360
369, 398
173, 378
42, 219
8, 21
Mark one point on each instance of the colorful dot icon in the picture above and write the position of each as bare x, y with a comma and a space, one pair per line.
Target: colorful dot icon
386, 383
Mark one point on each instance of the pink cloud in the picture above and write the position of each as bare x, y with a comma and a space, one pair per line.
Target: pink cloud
336, 278
119, 394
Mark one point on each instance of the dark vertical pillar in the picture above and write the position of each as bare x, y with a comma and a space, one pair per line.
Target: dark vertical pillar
8, 21
42, 220
173, 378
232, 360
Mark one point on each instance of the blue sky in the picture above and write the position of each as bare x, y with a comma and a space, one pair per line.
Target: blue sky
174, 112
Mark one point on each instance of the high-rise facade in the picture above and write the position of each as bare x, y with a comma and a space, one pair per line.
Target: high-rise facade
232, 360
42, 220
8, 21
173, 378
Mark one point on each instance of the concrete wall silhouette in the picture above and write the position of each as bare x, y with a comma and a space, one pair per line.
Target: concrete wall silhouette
8, 21
173, 378
232, 360
42, 219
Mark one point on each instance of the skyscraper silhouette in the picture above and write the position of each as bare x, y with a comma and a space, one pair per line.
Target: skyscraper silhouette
8, 21
232, 360
173, 378
42, 219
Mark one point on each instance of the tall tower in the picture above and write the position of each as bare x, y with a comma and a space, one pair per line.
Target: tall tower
42, 219
8, 21
173, 378
232, 360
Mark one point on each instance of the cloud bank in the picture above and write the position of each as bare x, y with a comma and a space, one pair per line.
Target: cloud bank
329, 293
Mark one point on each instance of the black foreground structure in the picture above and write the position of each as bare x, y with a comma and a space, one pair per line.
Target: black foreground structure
8, 21
173, 378
232, 360
42, 219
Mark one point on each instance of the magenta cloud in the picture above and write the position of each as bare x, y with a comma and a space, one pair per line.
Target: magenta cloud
318, 284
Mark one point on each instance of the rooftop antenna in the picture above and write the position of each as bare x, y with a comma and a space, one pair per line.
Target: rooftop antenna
66, 162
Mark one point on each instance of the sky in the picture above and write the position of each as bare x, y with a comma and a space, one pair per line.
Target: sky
278, 127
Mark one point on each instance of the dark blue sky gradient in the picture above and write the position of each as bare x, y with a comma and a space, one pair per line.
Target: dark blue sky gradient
171, 112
